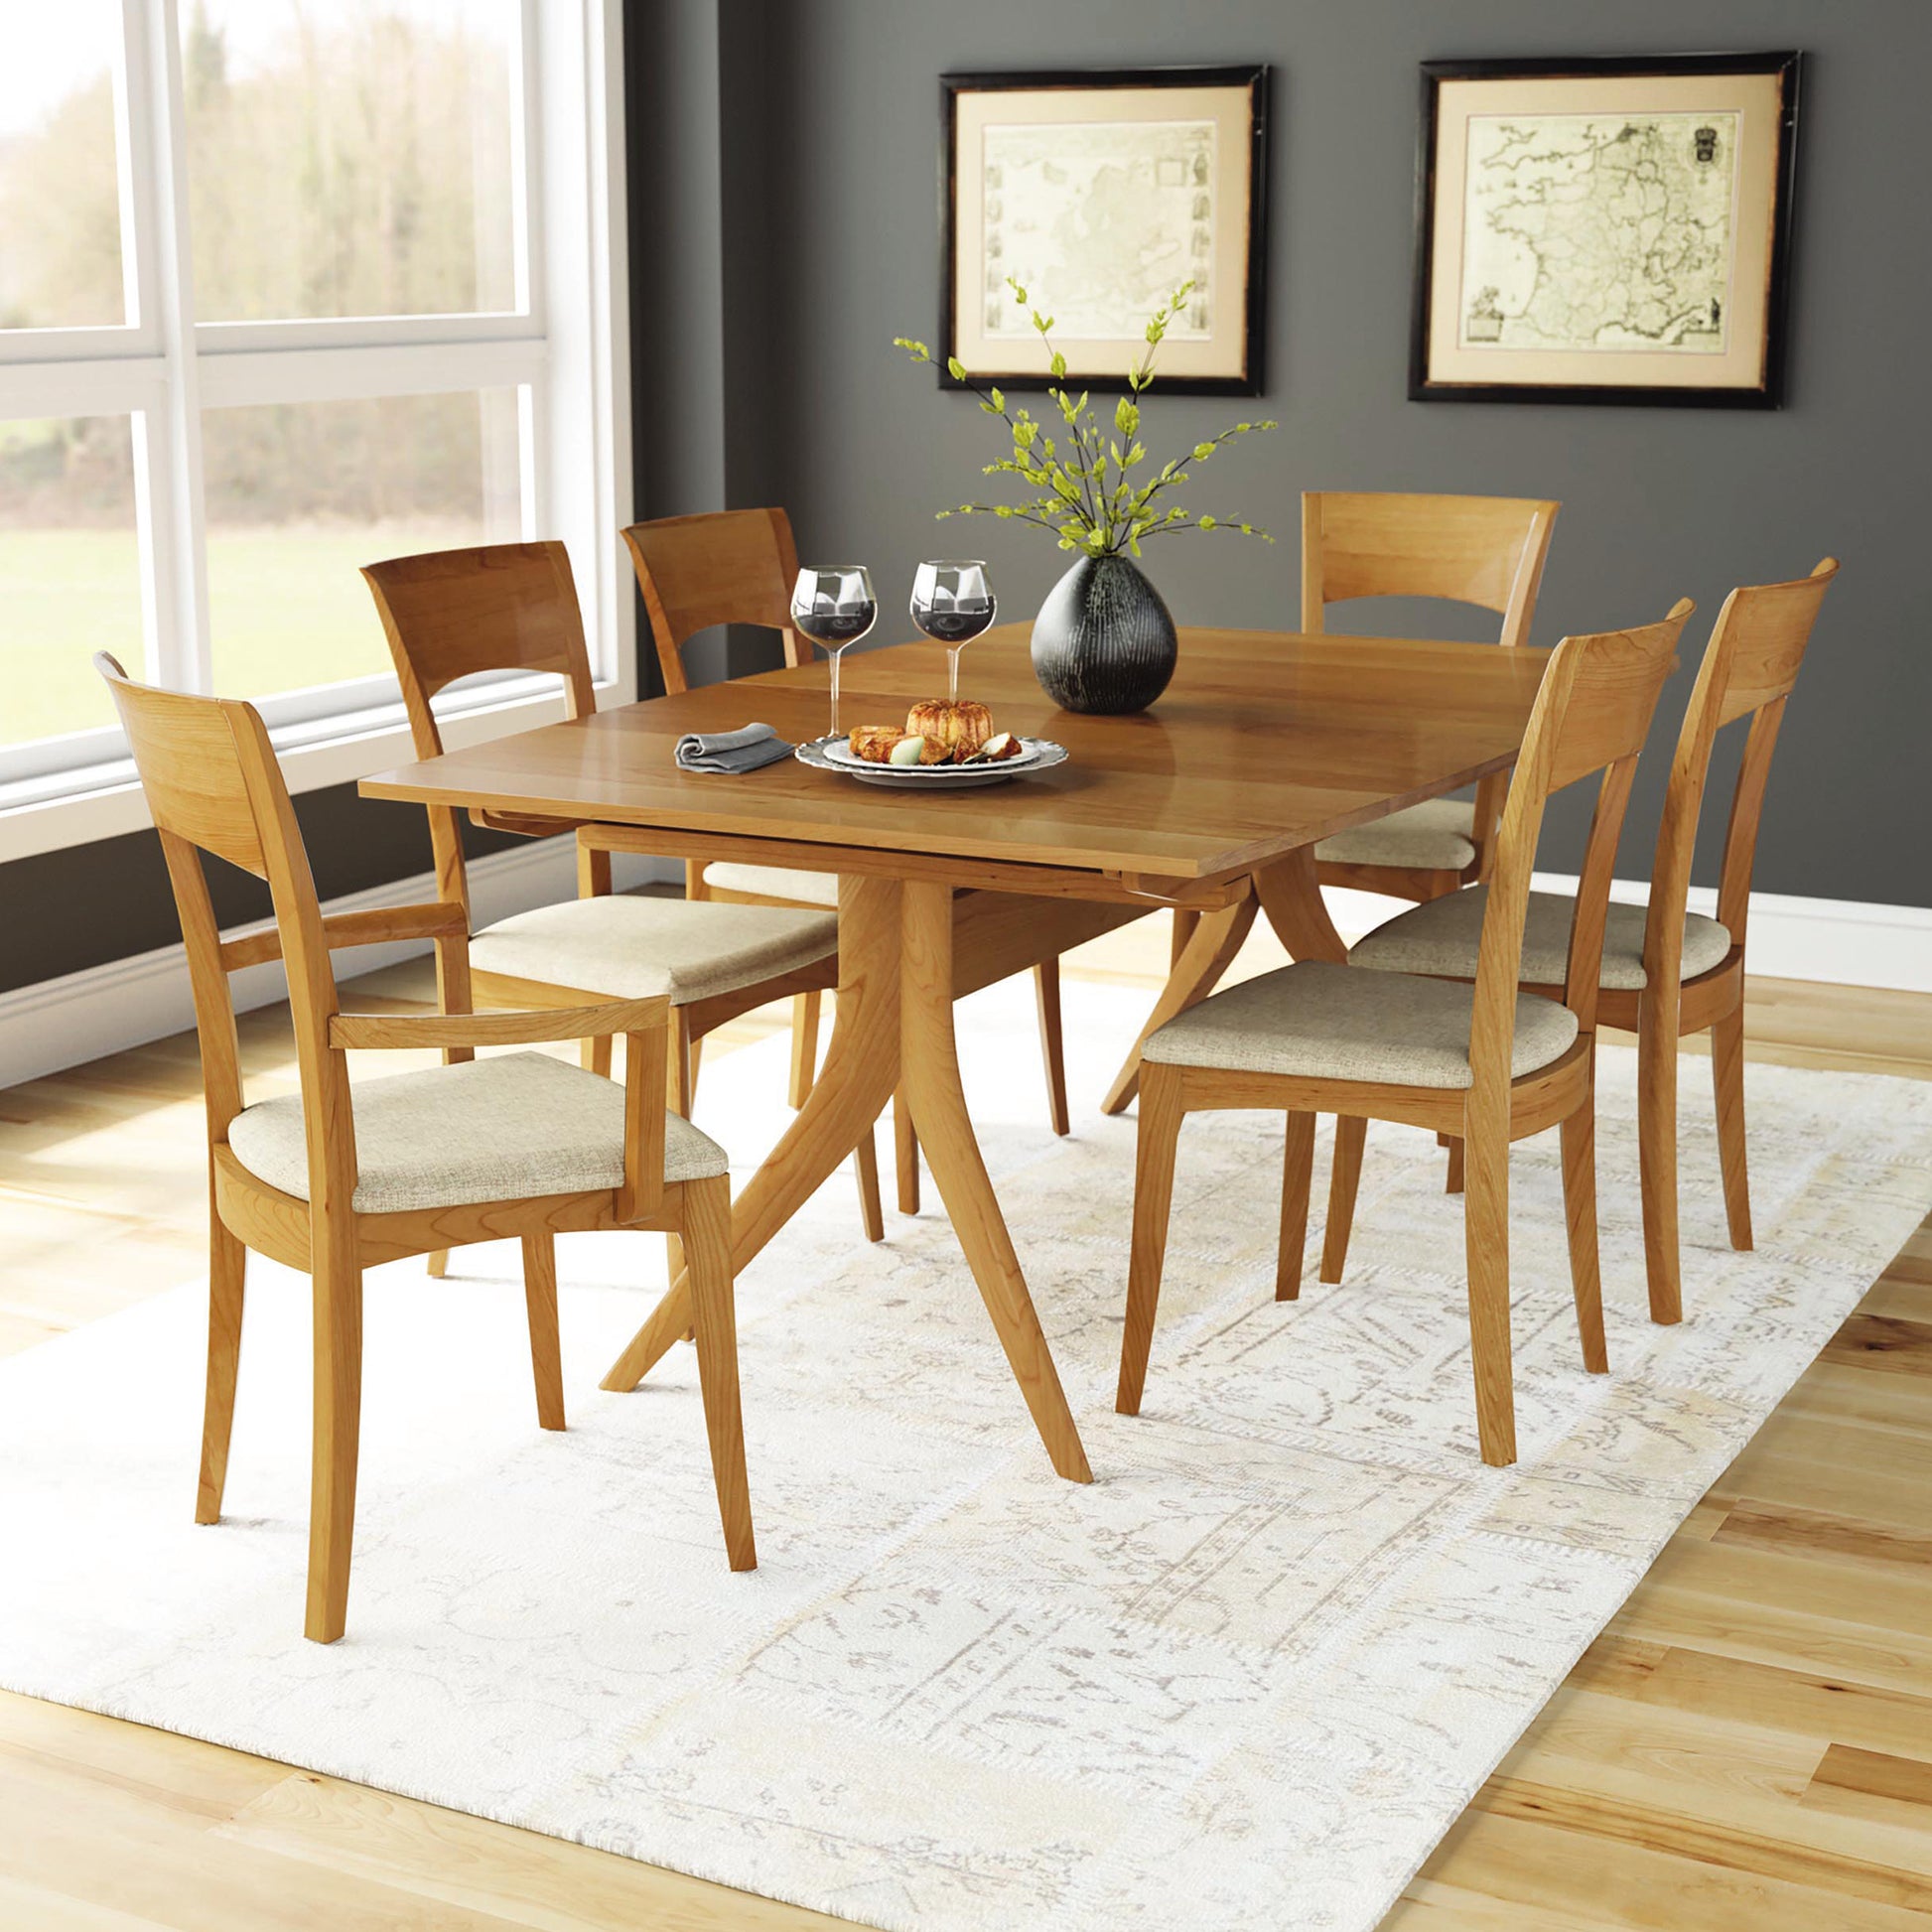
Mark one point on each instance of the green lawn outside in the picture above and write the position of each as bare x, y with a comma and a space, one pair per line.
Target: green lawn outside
286, 608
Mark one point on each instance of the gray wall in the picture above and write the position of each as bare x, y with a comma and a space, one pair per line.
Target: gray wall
836, 248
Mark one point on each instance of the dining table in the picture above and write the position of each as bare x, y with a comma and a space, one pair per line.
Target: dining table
1208, 805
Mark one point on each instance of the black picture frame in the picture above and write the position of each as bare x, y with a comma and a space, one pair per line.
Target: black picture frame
1769, 392
1254, 77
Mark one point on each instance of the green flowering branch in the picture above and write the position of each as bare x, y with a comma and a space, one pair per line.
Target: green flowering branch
1091, 496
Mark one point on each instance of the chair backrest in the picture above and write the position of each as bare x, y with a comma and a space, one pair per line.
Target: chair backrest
213, 784
1483, 550
1487, 551
449, 613
1749, 666
719, 567
1591, 715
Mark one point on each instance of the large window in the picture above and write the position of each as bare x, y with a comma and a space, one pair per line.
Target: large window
288, 286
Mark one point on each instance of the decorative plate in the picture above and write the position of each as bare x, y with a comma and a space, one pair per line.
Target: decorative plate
834, 754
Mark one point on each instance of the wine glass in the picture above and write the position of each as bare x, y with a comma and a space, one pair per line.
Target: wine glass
952, 602
833, 606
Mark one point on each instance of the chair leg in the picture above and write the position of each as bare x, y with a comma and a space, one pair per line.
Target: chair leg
595, 1055
905, 1156
1343, 1179
677, 1097
1452, 1177
228, 1273
1579, 1214
1298, 1171
546, 1351
1728, 1073
707, 1240
1158, 1133
870, 1213
1485, 1211
804, 1046
1052, 1051
1657, 1160
335, 1425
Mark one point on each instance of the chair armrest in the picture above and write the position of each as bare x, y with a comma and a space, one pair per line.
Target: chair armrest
444, 919
447, 1029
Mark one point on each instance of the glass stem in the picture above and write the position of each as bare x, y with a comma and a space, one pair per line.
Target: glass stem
835, 656
952, 674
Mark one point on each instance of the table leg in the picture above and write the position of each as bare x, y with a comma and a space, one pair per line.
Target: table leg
1208, 953
1292, 898
929, 1079
894, 1027
861, 1068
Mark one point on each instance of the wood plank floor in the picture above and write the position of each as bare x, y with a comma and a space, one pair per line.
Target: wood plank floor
1747, 1749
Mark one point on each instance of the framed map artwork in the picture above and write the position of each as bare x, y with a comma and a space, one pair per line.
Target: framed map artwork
1100, 192
1604, 230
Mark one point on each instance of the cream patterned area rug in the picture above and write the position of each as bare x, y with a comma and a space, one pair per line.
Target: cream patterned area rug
1247, 1678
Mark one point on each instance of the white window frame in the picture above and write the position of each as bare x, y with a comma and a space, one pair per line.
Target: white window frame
564, 351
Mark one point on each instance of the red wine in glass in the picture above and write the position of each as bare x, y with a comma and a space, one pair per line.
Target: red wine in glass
833, 605
952, 602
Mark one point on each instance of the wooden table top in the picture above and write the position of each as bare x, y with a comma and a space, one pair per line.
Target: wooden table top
1264, 742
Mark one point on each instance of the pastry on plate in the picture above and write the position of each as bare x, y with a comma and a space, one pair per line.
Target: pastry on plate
960, 725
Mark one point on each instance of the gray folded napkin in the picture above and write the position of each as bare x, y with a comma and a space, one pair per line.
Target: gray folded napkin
744, 750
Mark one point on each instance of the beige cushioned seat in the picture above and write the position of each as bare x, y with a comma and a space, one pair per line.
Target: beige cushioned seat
511, 1127
626, 947
776, 882
1438, 835
1441, 935
1329, 1022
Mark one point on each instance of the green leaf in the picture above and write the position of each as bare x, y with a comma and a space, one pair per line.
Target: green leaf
1058, 364
1202, 451
999, 402
1204, 523
955, 369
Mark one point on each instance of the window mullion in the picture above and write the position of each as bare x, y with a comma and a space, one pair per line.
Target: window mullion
174, 558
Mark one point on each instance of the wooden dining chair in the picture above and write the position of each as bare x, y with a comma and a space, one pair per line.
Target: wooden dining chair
738, 567
513, 607
1486, 551
1488, 1063
339, 1177
1667, 972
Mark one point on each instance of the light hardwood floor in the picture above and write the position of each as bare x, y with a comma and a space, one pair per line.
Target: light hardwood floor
1747, 1749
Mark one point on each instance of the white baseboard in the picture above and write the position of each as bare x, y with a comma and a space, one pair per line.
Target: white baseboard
1839, 942
78, 1017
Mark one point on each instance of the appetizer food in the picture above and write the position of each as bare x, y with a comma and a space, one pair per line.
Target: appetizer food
873, 743
937, 731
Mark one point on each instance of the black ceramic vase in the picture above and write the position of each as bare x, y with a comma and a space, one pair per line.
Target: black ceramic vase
1104, 640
